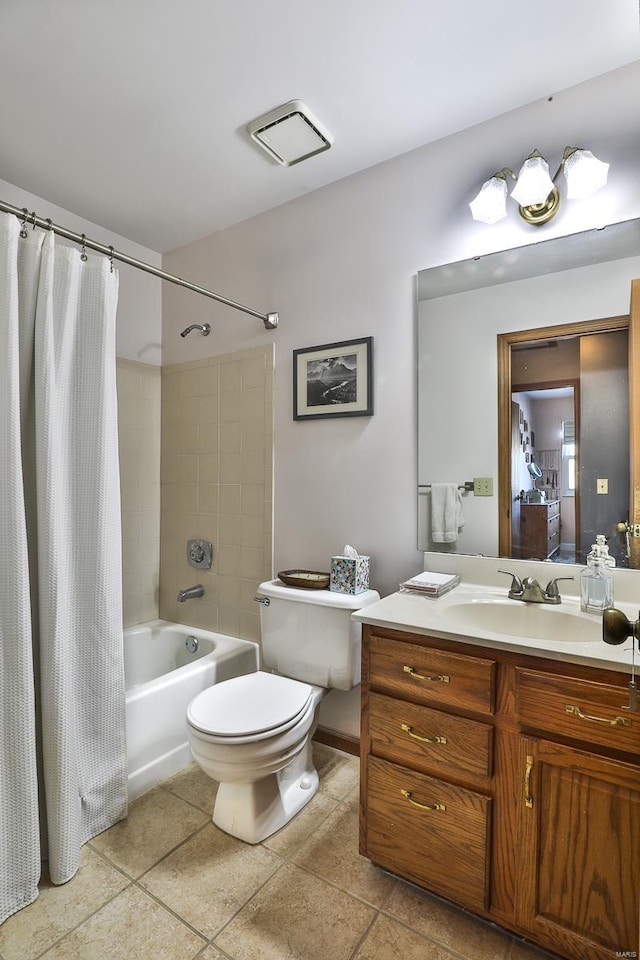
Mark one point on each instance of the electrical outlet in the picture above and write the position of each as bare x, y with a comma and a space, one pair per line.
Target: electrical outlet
483, 486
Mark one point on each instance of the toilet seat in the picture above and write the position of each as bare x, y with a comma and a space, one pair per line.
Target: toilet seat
250, 707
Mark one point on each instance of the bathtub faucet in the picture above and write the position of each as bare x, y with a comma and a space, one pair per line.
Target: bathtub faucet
191, 593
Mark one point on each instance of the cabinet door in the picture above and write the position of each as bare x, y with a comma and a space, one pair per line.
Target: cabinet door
580, 833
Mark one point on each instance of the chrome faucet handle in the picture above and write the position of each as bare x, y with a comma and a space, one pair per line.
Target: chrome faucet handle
551, 591
516, 583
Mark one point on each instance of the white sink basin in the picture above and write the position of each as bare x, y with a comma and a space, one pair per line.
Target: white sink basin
534, 621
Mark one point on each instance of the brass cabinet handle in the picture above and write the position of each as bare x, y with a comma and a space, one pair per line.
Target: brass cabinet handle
616, 722
408, 729
442, 678
440, 807
528, 799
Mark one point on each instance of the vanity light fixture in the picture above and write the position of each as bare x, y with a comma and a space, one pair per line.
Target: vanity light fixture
535, 192
290, 133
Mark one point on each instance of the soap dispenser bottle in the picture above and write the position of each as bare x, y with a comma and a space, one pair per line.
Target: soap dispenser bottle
596, 581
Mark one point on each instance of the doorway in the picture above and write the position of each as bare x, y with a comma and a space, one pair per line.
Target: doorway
545, 471
571, 387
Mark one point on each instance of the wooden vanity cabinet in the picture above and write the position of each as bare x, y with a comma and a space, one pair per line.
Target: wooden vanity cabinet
506, 783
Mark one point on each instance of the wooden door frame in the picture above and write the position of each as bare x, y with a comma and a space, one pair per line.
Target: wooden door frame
562, 330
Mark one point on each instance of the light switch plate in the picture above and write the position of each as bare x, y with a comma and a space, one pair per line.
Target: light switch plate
602, 486
483, 486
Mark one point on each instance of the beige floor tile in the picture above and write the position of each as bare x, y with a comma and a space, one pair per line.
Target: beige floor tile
288, 840
296, 916
453, 928
332, 853
131, 927
209, 878
339, 772
157, 822
59, 909
389, 940
193, 784
212, 953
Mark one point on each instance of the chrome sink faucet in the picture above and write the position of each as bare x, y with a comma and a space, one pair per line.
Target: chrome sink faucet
530, 591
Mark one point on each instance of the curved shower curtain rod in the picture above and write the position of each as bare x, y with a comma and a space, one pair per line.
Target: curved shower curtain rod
270, 320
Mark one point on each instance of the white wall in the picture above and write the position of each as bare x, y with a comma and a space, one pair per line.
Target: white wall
341, 263
139, 318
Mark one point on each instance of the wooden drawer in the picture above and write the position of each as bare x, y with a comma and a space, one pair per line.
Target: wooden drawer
581, 709
441, 845
429, 739
431, 676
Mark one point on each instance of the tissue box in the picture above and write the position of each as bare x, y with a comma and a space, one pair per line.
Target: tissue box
349, 574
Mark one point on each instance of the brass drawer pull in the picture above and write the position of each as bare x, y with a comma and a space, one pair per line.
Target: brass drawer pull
616, 722
442, 678
407, 729
528, 799
440, 807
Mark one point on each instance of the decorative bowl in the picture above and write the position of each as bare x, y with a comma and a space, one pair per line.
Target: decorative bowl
307, 579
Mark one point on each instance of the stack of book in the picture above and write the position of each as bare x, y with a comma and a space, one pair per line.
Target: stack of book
430, 584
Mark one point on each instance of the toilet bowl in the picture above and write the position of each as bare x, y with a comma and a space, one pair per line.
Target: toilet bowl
253, 733
254, 738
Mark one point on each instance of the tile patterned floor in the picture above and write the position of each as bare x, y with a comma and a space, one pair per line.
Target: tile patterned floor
167, 885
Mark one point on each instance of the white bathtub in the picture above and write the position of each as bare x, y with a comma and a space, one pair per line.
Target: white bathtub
161, 678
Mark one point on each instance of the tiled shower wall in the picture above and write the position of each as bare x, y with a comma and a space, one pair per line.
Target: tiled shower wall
217, 485
138, 386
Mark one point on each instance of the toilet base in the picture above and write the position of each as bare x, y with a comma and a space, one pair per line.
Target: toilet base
253, 811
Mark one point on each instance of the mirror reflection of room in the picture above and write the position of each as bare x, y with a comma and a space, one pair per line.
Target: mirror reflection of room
575, 291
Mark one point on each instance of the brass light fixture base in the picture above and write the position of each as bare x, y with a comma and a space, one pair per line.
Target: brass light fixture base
539, 213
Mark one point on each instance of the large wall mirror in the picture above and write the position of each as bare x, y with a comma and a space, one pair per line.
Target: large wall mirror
527, 370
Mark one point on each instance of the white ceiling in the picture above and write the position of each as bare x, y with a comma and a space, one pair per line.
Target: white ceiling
132, 113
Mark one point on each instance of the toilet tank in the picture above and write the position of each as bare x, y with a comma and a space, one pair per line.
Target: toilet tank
309, 635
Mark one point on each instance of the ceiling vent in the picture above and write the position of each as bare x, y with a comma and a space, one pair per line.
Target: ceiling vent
290, 133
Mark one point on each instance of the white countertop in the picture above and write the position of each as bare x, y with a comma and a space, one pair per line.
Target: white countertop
424, 615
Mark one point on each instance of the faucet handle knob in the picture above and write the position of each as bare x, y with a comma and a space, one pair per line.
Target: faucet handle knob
516, 582
552, 586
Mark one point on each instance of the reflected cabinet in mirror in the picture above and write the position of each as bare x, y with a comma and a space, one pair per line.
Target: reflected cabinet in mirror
527, 378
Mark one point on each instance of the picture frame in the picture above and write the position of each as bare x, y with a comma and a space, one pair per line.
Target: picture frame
333, 380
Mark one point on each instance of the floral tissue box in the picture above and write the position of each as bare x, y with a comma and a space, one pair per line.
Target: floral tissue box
349, 574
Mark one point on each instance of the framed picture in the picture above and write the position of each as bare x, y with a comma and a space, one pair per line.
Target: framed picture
333, 380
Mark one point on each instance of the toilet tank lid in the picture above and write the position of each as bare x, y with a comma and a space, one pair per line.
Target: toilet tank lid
326, 598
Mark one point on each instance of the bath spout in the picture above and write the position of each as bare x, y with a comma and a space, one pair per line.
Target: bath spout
191, 593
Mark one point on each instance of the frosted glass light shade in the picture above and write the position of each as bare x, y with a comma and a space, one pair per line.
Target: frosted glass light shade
534, 183
491, 203
585, 174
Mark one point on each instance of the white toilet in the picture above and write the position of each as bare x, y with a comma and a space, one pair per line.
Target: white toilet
253, 733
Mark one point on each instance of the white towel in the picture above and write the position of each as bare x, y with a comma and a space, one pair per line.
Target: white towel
446, 512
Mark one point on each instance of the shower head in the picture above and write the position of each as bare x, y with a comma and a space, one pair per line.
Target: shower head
204, 328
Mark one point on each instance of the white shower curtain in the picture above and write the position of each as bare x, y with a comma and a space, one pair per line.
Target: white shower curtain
62, 739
